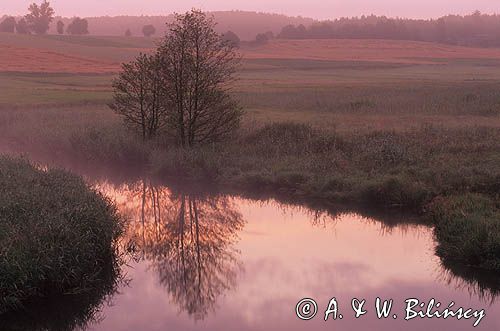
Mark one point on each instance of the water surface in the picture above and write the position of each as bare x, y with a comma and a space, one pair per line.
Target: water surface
224, 263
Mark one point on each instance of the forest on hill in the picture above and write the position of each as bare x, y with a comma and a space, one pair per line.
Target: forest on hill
245, 24
476, 29
470, 30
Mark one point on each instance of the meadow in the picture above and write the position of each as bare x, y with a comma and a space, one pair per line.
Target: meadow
395, 124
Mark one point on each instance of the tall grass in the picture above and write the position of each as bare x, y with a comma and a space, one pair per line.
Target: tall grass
57, 236
468, 230
415, 98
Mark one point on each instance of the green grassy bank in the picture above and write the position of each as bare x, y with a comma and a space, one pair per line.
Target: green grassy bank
57, 240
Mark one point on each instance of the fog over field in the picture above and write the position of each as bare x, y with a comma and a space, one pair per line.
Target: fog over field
319, 9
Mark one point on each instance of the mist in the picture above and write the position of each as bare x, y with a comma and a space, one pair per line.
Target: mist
318, 9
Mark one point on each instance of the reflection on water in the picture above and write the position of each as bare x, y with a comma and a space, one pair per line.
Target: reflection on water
191, 251
481, 284
223, 263
189, 243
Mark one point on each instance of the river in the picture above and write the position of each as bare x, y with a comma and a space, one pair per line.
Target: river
197, 261
228, 263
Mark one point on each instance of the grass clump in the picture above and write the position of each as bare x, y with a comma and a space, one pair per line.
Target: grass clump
467, 229
57, 236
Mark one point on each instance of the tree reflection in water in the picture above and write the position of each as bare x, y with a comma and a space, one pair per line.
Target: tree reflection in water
189, 240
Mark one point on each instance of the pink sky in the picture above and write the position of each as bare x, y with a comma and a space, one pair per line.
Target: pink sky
320, 9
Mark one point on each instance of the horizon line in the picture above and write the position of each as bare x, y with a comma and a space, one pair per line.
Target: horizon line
273, 13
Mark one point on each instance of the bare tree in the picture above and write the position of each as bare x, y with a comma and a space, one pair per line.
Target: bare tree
138, 96
197, 67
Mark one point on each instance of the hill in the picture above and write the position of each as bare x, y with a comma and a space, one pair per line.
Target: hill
98, 54
28, 51
245, 24
389, 51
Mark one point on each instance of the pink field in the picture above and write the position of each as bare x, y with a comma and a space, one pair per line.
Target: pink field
18, 59
24, 59
367, 50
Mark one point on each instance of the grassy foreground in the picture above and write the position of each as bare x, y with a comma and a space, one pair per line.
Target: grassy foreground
57, 239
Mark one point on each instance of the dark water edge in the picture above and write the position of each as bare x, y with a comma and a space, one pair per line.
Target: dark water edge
119, 174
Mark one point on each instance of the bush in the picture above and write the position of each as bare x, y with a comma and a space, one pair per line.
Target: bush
57, 236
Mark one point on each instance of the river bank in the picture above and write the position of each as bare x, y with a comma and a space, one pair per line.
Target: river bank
413, 171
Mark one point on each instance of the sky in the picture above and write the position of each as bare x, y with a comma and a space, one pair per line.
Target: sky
319, 9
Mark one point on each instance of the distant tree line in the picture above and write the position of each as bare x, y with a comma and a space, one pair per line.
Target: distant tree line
245, 24
36, 21
471, 30
10, 25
